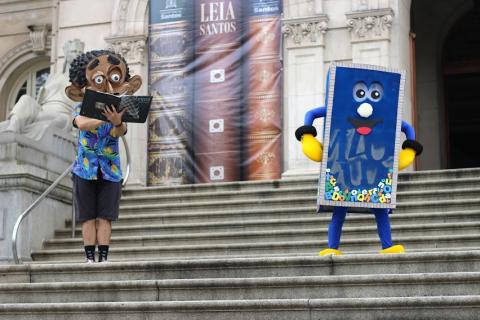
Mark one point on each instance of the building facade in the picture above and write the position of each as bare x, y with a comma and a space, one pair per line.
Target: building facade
436, 42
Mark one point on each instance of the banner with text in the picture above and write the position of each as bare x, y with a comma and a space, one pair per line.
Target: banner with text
215, 75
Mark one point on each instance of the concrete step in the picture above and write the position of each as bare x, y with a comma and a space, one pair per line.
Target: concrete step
353, 264
285, 203
164, 198
438, 185
456, 175
435, 195
222, 187
277, 248
450, 174
160, 224
460, 192
139, 238
215, 206
307, 287
457, 307
438, 206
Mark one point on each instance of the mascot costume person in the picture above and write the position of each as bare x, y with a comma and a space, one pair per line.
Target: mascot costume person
97, 174
361, 157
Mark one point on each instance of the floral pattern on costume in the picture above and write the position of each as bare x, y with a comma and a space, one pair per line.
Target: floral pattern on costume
97, 147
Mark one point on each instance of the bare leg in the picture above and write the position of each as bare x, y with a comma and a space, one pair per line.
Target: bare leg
89, 233
104, 231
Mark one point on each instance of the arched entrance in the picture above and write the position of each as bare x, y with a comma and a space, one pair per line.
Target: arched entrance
433, 23
461, 72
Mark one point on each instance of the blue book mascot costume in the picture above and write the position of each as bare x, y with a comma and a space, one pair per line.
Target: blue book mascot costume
362, 156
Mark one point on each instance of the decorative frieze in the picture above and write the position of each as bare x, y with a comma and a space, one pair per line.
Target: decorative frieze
370, 25
132, 48
308, 30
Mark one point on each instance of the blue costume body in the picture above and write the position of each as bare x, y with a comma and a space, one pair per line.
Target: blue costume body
361, 162
339, 213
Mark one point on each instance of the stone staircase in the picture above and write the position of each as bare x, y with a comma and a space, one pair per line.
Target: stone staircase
248, 250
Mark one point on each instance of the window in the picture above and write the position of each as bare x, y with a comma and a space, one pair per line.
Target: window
29, 83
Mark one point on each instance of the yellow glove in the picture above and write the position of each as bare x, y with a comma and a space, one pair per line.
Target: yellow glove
411, 149
311, 147
406, 158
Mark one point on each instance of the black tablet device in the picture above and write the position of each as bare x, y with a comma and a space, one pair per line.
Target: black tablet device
94, 104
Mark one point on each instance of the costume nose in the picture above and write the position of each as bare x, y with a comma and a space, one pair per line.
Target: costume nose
110, 88
365, 110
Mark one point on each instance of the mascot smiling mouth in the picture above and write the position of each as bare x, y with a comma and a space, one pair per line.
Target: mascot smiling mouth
364, 127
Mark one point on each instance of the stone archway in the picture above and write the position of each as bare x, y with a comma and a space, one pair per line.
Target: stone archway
12, 65
461, 75
431, 22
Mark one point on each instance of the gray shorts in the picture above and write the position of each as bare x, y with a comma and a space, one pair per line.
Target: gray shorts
96, 199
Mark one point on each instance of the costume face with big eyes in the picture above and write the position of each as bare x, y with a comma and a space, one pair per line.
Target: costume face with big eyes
363, 125
101, 71
107, 74
367, 97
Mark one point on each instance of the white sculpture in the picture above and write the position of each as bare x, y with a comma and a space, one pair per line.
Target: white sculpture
52, 108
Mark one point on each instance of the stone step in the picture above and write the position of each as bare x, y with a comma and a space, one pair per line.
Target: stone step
455, 307
295, 202
263, 220
271, 194
307, 287
358, 264
222, 187
420, 243
251, 204
434, 195
141, 238
438, 185
450, 174
407, 177
163, 198
161, 224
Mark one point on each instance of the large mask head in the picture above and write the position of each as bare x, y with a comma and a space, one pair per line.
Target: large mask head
101, 70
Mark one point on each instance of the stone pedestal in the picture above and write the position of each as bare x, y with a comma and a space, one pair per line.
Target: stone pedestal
27, 169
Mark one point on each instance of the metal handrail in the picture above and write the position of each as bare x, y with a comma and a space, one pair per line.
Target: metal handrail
47, 192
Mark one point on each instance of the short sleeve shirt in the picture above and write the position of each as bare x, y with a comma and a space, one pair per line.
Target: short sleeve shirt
97, 149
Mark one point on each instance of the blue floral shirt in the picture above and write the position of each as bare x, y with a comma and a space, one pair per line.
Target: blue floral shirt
97, 147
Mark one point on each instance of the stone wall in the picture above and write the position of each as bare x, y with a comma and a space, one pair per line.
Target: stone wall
27, 169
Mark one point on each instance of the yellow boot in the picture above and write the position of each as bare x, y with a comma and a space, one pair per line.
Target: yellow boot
394, 249
328, 251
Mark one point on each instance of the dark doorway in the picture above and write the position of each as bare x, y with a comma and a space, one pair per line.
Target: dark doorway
461, 66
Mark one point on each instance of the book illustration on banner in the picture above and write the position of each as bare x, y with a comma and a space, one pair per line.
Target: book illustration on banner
137, 107
360, 158
218, 90
171, 53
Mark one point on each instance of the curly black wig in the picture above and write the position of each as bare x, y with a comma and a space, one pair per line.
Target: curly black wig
79, 64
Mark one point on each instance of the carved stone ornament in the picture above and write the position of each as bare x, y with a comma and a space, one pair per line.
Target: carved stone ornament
38, 37
309, 28
132, 48
370, 25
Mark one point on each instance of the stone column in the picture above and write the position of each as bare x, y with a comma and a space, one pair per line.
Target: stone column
370, 35
303, 29
379, 32
133, 49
